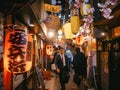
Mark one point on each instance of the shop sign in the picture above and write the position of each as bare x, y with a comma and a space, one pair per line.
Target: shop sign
52, 8
18, 47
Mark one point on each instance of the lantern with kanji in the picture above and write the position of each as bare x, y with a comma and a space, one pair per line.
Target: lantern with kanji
49, 49
18, 51
75, 24
79, 40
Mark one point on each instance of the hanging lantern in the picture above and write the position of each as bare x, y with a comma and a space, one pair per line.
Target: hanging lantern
79, 40
67, 31
84, 8
18, 51
94, 44
49, 49
54, 22
75, 24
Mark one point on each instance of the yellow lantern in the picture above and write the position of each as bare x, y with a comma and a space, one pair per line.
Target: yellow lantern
75, 24
18, 47
83, 9
67, 31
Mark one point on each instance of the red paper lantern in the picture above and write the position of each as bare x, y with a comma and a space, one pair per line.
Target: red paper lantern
18, 51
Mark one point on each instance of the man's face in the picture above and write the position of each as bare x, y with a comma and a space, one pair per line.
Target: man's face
61, 51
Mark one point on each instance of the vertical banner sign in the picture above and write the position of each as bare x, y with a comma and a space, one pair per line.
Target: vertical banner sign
16, 54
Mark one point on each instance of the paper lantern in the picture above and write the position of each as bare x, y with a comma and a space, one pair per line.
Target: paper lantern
75, 24
67, 31
84, 8
94, 44
54, 22
18, 51
79, 40
49, 49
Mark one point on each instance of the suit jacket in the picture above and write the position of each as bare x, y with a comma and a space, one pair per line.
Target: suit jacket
60, 63
79, 63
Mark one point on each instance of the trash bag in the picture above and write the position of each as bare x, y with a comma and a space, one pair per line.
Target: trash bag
77, 79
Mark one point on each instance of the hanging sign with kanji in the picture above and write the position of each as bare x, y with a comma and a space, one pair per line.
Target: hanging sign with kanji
52, 8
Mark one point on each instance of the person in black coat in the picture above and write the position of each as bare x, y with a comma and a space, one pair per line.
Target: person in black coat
79, 63
61, 67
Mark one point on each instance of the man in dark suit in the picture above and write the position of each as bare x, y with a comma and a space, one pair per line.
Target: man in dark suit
61, 66
79, 64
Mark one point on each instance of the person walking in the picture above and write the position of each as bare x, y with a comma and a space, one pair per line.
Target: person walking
61, 67
79, 66
69, 55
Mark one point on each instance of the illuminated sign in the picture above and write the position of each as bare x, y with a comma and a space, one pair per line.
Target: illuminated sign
52, 8
18, 47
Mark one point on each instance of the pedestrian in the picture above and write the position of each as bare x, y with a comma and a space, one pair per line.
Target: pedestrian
79, 66
69, 55
61, 67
